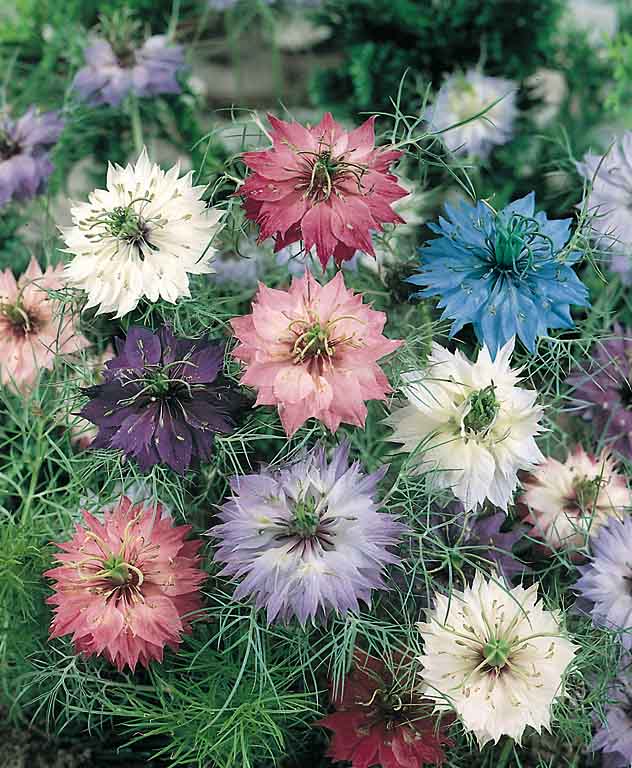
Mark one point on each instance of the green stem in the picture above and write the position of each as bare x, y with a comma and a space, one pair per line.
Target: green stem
137, 126
506, 753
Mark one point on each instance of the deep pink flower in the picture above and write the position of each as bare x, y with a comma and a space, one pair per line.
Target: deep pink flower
380, 723
325, 186
126, 587
34, 328
312, 351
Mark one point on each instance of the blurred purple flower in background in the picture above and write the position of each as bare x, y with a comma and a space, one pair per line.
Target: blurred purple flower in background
24, 160
603, 390
110, 75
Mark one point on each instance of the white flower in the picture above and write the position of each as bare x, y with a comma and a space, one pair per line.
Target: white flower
496, 657
140, 237
608, 203
571, 500
473, 426
462, 96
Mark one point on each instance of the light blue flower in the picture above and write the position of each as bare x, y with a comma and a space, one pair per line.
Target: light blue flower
507, 273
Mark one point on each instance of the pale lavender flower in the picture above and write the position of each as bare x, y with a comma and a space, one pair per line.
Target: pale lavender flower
604, 588
614, 735
24, 159
608, 203
110, 76
307, 539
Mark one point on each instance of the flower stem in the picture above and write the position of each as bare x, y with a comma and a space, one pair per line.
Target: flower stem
506, 753
137, 126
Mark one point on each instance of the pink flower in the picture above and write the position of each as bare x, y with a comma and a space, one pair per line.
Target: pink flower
322, 185
568, 502
312, 350
34, 328
125, 587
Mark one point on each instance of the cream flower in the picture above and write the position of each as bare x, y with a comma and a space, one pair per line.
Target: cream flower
140, 237
496, 657
473, 426
570, 501
461, 98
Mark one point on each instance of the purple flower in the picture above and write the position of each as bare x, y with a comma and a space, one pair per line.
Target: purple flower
605, 586
614, 736
480, 538
161, 400
604, 390
307, 539
110, 76
24, 162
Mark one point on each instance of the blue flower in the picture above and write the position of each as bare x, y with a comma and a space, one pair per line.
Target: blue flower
504, 272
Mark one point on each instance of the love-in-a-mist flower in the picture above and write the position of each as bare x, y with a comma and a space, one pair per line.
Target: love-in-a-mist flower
613, 737
306, 540
324, 186
140, 238
604, 587
24, 153
569, 501
383, 721
506, 273
119, 62
608, 204
496, 657
35, 328
162, 399
126, 587
461, 98
602, 390
312, 351
471, 426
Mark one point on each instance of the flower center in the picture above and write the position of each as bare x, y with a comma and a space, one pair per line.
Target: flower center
465, 101
312, 342
159, 383
516, 243
496, 652
21, 321
117, 571
585, 493
625, 393
121, 30
8, 148
306, 520
323, 172
481, 411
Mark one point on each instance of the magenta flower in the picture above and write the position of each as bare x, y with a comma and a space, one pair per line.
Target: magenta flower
313, 351
324, 186
307, 539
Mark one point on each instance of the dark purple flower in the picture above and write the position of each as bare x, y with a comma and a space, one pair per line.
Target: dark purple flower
476, 539
24, 161
603, 390
307, 539
109, 75
614, 736
605, 586
161, 400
